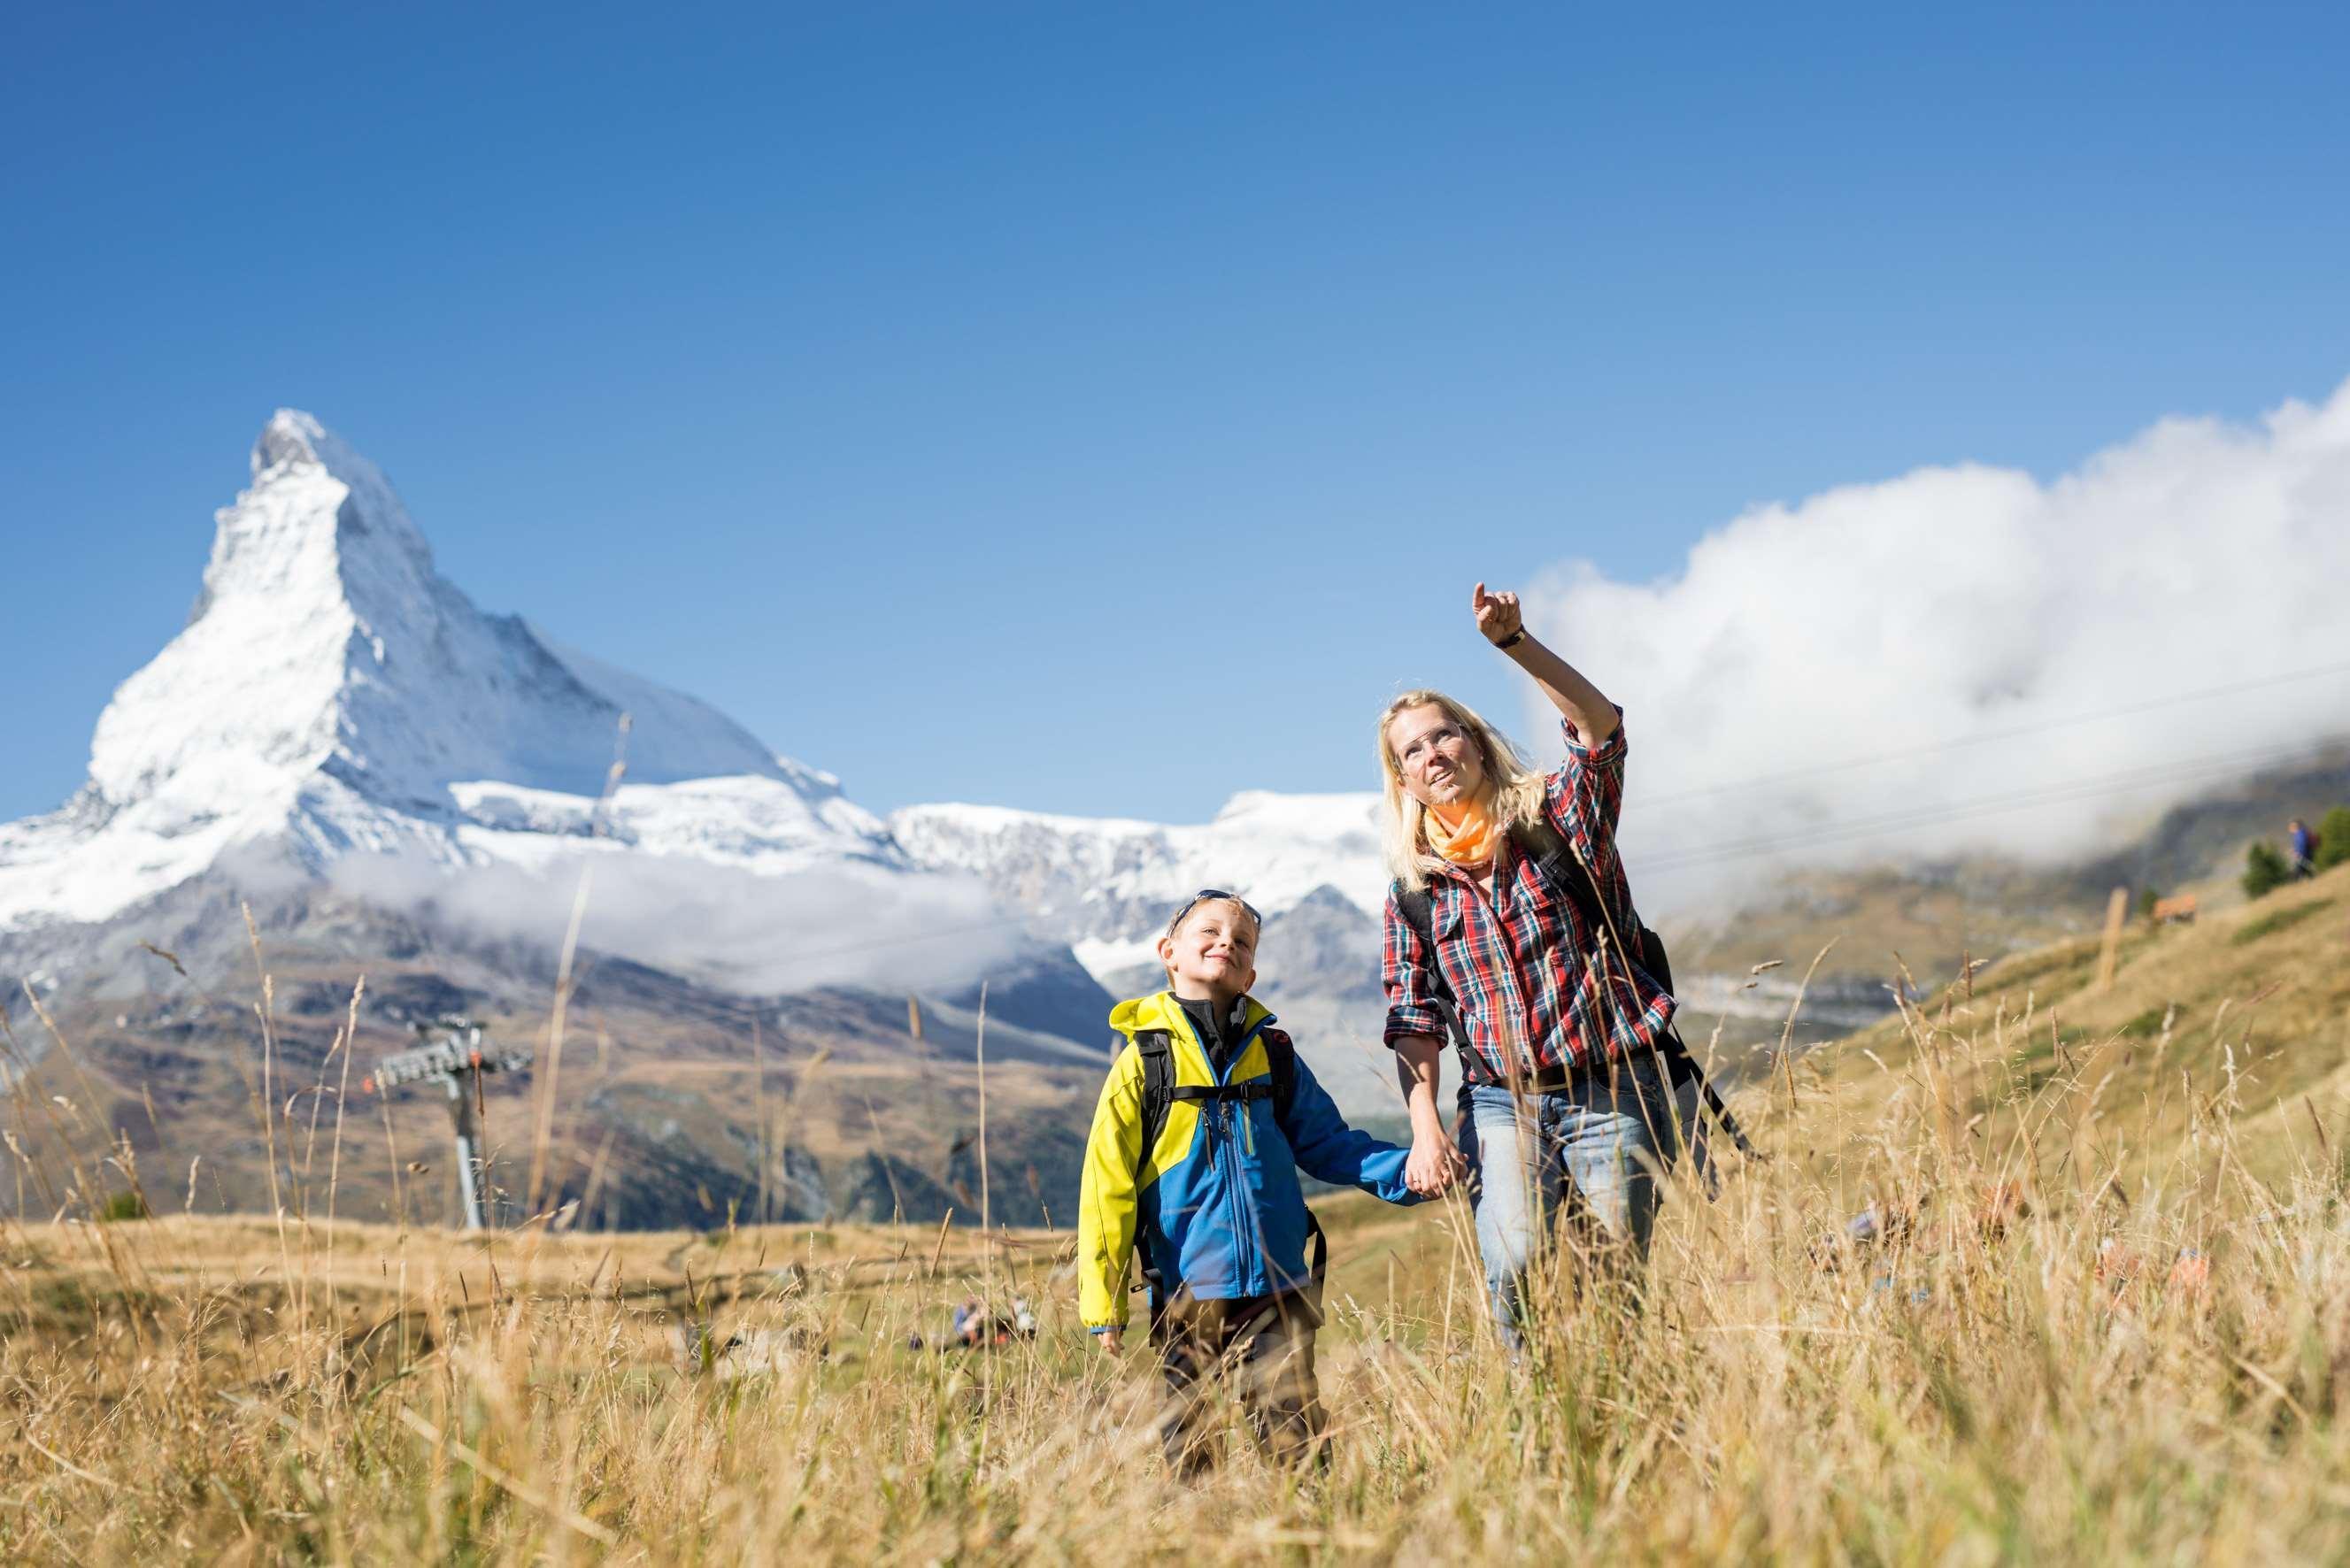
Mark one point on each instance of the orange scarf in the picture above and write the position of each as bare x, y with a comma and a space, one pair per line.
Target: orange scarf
1462, 834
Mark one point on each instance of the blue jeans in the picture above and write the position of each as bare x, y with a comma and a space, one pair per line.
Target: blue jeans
1601, 1144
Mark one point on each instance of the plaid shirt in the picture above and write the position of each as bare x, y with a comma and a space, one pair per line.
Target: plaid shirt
1525, 969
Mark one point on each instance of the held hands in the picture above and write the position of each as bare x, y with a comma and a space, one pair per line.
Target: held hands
1110, 1341
1433, 1165
1500, 620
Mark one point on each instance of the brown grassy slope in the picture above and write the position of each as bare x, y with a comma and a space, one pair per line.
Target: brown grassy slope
230, 1391
2153, 1368
2247, 1009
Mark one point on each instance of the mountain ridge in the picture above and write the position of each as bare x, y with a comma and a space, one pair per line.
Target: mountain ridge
334, 699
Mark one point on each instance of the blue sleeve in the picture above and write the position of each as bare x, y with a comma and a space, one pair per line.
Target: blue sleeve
1329, 1151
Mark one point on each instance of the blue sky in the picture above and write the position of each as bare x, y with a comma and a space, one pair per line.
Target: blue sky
1090, 409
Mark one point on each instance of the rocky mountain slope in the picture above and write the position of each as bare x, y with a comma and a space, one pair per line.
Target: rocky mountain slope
401, 787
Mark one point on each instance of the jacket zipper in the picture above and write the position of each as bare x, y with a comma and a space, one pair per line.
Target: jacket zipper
1244, 1212
1245, 1232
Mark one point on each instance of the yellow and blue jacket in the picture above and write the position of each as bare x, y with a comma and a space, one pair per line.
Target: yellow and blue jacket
1215, 1204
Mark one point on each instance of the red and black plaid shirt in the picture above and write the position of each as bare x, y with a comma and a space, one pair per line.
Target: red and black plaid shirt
1525, 968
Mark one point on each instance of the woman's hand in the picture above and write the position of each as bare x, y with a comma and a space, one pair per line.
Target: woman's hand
1499, 617
1433, 1165
1499, 620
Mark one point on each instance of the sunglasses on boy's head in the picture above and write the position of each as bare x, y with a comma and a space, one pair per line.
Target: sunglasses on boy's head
1203, 896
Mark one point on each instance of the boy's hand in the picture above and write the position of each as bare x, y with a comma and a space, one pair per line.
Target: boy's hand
1433, 1165
1499, 615
1110, 1341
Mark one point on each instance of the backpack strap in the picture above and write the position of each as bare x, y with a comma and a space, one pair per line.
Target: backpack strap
1281, 1062
1553, 856
1156, 1049
1160, 1092
1192, 1094
1571, 877
1317, 1262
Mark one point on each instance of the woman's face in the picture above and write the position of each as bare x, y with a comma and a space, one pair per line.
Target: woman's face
1437, 758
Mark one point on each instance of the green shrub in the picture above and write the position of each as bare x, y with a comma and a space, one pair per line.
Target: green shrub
123, 1205
2334, 839
2147, 898
2264, 870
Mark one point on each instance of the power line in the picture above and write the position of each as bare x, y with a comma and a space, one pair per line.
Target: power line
2039, 727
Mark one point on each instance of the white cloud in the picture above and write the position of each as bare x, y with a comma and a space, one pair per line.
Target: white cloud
1952, 602
757, 934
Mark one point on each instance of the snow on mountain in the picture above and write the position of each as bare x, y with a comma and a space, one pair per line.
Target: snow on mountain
1310, 863
333, 706
1106, 884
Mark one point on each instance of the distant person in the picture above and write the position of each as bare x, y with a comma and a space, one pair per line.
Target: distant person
969, 1322
1559, 1027
1207, 1117
2301, 849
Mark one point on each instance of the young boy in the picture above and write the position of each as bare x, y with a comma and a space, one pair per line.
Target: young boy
1233, 1113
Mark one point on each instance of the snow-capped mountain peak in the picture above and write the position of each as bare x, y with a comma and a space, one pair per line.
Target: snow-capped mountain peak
332, 694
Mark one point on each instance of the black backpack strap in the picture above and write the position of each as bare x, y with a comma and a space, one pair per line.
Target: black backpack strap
1569, 876
1156, 1049
1195, 1094
1160, 1092
1562, 870
1281, 1062
1558, 864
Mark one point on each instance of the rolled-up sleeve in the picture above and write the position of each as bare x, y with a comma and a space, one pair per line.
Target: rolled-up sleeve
1586, 793
1408, 970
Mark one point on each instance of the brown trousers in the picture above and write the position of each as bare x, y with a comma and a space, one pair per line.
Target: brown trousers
1258, 1350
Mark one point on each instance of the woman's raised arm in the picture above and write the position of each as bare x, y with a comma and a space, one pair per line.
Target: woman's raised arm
1501, 622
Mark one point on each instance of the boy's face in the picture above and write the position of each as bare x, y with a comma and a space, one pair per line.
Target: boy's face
1439, 762
1212, 953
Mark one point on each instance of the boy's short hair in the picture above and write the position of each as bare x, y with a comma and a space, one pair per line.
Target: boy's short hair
1212, 896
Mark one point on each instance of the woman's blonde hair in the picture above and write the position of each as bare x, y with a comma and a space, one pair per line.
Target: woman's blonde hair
1513, 790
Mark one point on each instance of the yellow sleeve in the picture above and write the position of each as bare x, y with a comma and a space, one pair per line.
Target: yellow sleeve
1105, 1207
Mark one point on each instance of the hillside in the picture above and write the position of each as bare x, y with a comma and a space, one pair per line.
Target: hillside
675, 1104
2081, 1372
2043, 1076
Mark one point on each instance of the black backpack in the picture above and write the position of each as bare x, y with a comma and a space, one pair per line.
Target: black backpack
1160, 1093
1565, 873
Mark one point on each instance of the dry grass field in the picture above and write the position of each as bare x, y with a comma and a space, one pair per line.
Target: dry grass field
2105, 1316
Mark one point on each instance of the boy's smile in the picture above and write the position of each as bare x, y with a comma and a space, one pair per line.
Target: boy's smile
1212, 953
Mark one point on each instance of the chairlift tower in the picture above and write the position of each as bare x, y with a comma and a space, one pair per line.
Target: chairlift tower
457, 1058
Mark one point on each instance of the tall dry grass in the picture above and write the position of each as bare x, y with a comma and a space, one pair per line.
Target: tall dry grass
2058, 1344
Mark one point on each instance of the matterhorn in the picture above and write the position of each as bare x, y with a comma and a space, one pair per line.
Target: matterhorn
343, 780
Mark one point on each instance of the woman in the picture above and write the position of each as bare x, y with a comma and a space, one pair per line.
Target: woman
1558, 1027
